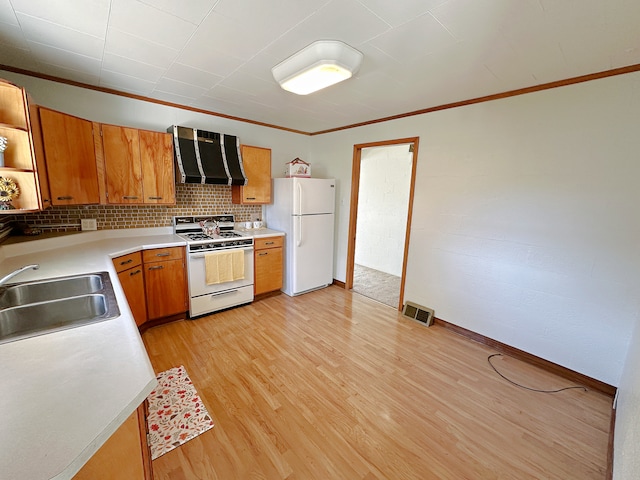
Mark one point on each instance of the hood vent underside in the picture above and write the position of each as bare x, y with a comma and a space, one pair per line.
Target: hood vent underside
207, 157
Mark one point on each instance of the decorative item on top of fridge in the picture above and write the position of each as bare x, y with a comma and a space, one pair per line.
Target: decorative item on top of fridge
297, 168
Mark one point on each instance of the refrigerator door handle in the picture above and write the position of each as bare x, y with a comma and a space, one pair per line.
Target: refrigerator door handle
299, 240
299, 199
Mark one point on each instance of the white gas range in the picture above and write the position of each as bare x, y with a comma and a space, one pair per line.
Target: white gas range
207, 298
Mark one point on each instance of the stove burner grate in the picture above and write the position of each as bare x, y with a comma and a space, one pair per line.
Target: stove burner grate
194, 237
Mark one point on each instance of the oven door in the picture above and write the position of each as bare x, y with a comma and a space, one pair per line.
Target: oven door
210, 298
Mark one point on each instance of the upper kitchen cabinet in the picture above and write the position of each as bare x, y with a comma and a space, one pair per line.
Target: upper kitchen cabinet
123, 171
138, 166
158, 174
70, 157
20, 165
257, 168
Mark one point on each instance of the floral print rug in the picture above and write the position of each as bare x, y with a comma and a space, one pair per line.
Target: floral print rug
176, 413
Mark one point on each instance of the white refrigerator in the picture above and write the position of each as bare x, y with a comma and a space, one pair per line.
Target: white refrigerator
303, 208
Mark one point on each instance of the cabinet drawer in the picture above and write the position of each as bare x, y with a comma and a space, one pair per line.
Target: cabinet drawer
127, 261
160, 254
267, 242
229, 298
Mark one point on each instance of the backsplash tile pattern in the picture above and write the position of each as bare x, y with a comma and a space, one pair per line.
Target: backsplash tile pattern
190, 200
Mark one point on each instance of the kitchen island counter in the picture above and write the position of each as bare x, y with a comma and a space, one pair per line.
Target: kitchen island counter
65, 393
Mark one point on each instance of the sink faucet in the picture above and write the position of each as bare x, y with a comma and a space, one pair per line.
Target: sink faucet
6, 278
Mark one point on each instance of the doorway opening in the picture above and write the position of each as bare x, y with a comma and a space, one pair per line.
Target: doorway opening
382, 187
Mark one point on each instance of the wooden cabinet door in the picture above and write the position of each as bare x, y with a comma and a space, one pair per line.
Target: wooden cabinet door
268, 266
70, 158
166, 288
123, 456
257, 167
132, 282
123, 170
158, 174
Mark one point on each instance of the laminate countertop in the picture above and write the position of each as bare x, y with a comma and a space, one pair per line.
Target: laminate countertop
260, 232
65, 393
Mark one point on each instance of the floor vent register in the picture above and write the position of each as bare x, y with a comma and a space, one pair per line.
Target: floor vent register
419, 313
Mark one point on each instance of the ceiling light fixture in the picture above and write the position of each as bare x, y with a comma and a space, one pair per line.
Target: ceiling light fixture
317, 66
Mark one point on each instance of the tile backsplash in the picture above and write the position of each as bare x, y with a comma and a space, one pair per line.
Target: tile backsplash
190, 200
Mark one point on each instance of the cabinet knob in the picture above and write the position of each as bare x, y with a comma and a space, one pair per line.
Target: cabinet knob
166, 254
154, 198
269, 243
263, 254
126, 261
135, 273
65, 198
157, 267
130, 197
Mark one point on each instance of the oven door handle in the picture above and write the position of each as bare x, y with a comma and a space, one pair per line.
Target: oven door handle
201, 255
224, 293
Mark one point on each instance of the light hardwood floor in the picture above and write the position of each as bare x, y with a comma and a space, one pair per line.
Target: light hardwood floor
331, 385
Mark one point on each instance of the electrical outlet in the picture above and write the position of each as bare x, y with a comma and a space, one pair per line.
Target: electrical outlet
88, 224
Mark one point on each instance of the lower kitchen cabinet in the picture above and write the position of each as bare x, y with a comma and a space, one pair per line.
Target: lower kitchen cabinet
154, 282
129, 268
125, 455
165, 282
268, 263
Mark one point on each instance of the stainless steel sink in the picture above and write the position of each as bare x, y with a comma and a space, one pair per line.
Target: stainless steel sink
44, 290
37, 308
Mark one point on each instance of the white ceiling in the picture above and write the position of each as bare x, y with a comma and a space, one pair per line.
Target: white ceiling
217, 54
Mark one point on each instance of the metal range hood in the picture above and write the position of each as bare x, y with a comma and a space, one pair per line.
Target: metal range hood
207, 157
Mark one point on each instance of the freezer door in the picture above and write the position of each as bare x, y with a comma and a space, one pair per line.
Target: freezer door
312, 253
312, 196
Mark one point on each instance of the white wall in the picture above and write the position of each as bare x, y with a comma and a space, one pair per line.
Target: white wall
626, 461
383, 201
525, 225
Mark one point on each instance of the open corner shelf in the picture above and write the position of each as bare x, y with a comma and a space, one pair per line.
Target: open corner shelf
13, 127
14, 170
